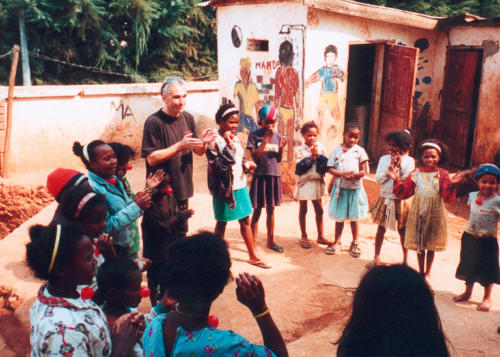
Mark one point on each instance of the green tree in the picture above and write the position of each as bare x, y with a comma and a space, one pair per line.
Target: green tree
486, 8
144, 39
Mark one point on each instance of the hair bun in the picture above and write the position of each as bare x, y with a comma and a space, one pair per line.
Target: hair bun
37, 231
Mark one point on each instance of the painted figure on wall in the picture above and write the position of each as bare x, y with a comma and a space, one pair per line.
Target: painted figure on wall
248, 95
287, 95
328, 75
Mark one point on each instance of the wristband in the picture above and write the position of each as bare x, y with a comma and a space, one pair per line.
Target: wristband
261, 314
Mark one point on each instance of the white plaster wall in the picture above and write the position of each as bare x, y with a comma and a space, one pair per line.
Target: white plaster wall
259, 21
342, 30
48, 119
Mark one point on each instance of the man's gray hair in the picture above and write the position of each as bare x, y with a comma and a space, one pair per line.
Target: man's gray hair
165, 87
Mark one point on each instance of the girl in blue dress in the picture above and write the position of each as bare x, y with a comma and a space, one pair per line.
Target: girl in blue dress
348, 163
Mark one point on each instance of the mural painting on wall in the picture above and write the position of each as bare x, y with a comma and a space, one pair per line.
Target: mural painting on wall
287, 96
328, 106
277, 81
248, 97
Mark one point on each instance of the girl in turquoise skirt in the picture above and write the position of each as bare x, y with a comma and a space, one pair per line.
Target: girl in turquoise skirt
348, 163
227, 182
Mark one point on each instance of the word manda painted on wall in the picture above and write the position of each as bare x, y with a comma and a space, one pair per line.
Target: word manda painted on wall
267, 65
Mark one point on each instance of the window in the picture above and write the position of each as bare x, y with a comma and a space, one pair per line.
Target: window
257, 45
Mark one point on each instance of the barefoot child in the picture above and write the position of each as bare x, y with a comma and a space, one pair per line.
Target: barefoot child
100, 160
310, 167
479, 247
62, 321
348, 163
266, 147
390, 212
430, 186
227, 179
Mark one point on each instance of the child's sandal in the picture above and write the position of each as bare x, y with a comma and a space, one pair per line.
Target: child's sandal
331, 249
304, 243
354, 250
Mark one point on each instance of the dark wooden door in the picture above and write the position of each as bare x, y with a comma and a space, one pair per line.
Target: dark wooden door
397, 91
458, 108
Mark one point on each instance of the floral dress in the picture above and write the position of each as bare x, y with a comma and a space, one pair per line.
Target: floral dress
426, 226
207, 341
67, 327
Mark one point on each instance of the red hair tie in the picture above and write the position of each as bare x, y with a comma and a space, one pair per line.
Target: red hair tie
144, 292
87, 293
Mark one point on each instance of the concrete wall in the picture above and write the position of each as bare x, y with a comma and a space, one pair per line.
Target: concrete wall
48, 119
487, 135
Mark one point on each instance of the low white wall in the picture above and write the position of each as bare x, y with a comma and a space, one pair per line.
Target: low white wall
47, 120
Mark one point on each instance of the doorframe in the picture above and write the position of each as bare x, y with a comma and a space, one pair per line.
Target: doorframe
471, 138
377, 80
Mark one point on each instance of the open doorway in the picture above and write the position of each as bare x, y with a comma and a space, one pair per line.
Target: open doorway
359, 87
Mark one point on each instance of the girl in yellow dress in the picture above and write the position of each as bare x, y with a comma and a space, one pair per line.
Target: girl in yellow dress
430, 187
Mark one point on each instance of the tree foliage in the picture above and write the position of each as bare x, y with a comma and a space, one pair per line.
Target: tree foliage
485, 8
144, 39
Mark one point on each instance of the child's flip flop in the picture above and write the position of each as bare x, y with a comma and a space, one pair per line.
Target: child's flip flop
260, 264
332, 249
304, 243
276, 248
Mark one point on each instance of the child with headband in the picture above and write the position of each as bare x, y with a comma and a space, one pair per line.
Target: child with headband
227, 181
62, 321
123, 211
430, 187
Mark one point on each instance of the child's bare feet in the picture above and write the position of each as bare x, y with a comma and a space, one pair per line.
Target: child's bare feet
485, 305
323, 240
462, 297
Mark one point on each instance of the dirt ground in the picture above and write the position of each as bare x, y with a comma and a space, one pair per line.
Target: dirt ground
19, 203
308, 292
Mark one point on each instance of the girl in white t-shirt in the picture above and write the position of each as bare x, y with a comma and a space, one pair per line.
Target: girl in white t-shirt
227, 181
348, 163
479, 246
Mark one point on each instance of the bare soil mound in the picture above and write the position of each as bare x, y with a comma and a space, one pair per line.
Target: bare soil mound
18, 204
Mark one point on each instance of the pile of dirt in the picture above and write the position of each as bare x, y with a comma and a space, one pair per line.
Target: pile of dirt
18, 204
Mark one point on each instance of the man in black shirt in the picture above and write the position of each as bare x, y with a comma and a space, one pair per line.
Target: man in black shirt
169, 139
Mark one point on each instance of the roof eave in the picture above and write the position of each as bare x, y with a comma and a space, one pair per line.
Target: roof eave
375, 12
